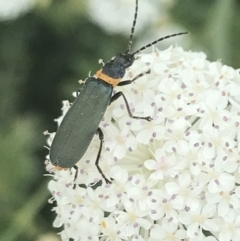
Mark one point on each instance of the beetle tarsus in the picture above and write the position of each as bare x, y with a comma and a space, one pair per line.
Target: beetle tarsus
120, 93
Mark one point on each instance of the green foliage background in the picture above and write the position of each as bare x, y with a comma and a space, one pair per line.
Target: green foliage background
42, 55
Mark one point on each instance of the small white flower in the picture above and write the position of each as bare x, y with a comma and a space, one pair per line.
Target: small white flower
213, 109
216, 142
161, 204
148, 131
119, 141
167, 231
163, 166
218, 178
230, 227
185, 191
226, 200
201, 218
132, 220
111, 230
140, 191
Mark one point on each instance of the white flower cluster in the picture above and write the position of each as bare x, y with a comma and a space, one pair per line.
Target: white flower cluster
121, 16
174, 178
12, 9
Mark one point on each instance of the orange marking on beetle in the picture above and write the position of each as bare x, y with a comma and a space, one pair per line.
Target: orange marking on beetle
58, 168
108, 79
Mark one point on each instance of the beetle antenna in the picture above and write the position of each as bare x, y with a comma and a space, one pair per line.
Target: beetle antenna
133, 28
158, 40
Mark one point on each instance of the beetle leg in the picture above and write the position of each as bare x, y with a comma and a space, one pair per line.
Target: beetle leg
128, 82
75, 176
120, 93
101, 138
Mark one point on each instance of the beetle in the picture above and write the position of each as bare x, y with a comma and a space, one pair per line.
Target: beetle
81, 122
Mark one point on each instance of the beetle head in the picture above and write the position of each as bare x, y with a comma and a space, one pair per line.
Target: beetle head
124, 60
116, 67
